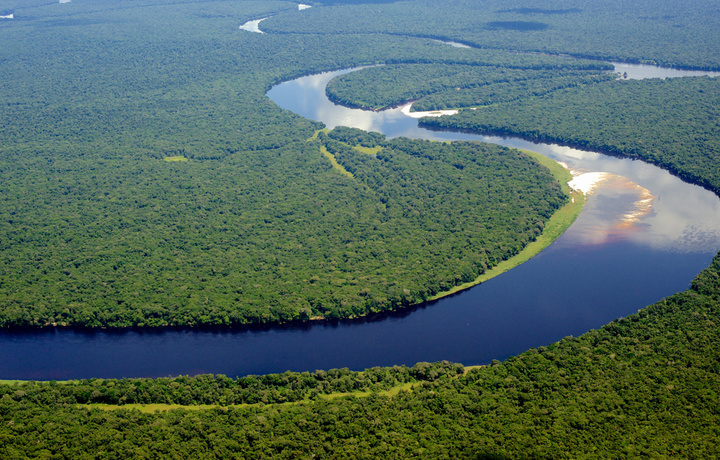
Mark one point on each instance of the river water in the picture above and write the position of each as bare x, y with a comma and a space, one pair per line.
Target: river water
642, 235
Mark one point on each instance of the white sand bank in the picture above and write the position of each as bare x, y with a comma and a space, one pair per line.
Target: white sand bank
436, 113
253, 26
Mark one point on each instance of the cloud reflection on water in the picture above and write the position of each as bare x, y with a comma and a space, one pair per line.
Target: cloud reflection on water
642, 203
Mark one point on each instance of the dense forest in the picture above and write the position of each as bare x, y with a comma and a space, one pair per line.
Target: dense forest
208, 258
642, 386
456, 85
257, 227
273, 219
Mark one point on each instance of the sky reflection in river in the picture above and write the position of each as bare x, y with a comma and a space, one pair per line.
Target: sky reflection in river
614, 212
639, 205
643, 71
602, 268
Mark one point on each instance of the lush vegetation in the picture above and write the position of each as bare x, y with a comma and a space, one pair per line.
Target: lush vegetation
208, 257
668, 32
455, 85
671, 123
256, 226
642, 386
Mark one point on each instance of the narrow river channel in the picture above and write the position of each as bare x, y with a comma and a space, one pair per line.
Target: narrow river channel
642, 235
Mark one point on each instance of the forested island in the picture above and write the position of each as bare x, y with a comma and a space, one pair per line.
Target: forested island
259, 225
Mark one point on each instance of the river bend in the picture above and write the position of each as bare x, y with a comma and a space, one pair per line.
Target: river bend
642, 235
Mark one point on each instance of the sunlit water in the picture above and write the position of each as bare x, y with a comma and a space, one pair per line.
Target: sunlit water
643, 71
643, 235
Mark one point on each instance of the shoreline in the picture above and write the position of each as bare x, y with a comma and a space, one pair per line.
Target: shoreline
560, 221
612, 152
554, 227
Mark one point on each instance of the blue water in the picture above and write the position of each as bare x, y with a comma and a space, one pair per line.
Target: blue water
602, 268
563, 291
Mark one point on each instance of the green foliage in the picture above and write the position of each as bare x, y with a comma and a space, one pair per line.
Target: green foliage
441, 86
154, 243
665, 32
97, 230
670, 123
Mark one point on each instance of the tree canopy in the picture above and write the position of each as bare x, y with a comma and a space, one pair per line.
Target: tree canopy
97, 228
257, 226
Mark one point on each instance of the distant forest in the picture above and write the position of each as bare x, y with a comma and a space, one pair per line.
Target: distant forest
98, 228
256, 227
448, 86
670, 123
667, 33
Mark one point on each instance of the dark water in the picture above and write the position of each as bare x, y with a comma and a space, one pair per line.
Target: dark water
643, 235
564, 291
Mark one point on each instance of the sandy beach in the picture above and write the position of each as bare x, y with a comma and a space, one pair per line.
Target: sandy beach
435, 113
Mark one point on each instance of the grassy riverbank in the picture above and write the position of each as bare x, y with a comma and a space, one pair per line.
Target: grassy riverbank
153, 408
561, 220
556, 226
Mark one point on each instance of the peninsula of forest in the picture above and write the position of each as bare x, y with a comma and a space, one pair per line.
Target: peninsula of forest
146, 180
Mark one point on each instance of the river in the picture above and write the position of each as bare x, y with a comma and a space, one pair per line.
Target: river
642, 235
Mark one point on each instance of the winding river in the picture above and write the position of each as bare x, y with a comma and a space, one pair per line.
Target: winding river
642, 235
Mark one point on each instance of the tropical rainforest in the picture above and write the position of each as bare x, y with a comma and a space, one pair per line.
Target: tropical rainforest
147, 180
256, 226
642, 387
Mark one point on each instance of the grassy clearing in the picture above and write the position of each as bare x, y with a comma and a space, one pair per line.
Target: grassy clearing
315, 135
330, 156
469, 368
177, 158
334, 162
359, 394
153, 408
368, 150
554, 227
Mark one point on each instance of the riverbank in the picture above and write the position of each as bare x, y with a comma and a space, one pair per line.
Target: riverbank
560, 221
554, 227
